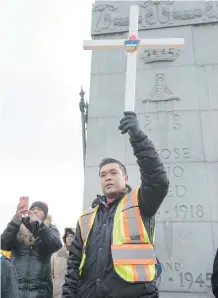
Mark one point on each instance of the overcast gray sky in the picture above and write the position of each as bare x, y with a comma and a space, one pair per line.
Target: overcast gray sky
42, 65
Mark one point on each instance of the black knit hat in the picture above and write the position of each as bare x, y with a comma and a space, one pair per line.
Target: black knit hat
68, 231
40, 205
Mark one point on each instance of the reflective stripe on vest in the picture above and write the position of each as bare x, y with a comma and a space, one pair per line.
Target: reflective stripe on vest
86, 222
133, 225
132, 252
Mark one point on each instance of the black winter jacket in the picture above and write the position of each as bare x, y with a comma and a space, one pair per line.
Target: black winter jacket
99, 278
32, 262
9, 285
214, 279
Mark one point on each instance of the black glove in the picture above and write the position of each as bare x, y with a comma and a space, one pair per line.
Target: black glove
31, 226
26, 222
129, 123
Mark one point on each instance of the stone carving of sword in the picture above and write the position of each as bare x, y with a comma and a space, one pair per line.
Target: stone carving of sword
168, 236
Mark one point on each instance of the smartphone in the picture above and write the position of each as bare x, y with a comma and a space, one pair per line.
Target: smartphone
24, 203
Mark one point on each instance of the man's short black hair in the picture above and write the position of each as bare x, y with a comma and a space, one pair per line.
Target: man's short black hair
108, 160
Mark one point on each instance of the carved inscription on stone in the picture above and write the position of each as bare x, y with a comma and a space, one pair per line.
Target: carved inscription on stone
147, 122
125, 21
177, 190
175, 160
153, 14
187, 14
175, 120
175, 154
105, 20
211, 9
158, 11
194, 211
160, 91
182, 212
175, 275
156, 55
187, 280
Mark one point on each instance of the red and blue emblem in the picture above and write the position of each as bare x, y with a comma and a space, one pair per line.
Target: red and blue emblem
131, 44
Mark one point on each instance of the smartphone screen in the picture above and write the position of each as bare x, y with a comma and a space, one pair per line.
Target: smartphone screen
24, 202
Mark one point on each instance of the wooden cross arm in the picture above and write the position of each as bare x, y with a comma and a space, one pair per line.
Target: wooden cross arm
103, 44
120, 43
162, 43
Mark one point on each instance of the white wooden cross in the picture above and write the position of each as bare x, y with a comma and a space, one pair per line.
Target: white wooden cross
132, 52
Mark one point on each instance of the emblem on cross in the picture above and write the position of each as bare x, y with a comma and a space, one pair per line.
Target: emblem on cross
132, 43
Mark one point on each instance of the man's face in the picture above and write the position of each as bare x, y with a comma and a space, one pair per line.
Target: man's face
38, 212
112, 179
69, 240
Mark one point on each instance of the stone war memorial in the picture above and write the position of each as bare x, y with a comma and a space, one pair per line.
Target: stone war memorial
176, 101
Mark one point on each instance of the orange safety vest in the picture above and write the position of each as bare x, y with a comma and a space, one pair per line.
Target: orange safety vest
132, 251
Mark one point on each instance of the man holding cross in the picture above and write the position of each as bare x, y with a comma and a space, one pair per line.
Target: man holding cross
112, 255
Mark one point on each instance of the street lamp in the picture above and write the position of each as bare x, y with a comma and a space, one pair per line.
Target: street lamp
83, 106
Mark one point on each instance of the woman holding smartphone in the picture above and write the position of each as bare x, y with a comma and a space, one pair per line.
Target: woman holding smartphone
31, 243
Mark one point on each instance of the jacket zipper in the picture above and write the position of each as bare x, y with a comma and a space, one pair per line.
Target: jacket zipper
28, 270
102, 240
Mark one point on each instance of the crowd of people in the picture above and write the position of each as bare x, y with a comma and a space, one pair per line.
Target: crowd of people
111, 252
34, 262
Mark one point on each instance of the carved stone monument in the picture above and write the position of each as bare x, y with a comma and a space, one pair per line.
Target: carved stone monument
177, 106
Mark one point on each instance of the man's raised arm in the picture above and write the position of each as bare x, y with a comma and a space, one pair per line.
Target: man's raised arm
154, 181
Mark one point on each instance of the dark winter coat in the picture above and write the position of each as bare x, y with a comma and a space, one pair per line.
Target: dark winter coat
31, 256
9, 285
99, 279
214, 279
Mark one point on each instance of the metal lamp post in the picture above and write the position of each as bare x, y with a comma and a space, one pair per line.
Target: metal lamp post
83, 105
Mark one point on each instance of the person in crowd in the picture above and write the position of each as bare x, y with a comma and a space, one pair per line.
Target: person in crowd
112, 254
59, 263
9, 285
214, 279
32, 243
